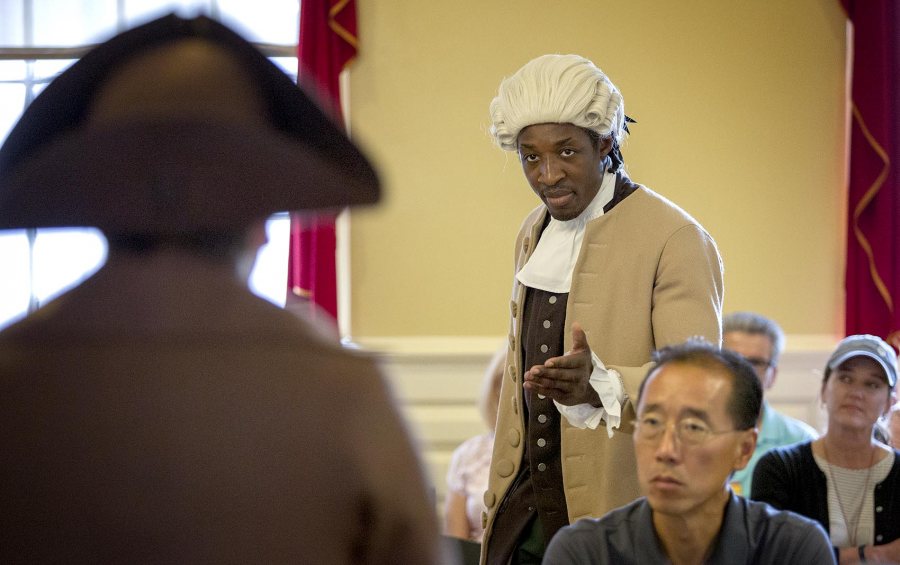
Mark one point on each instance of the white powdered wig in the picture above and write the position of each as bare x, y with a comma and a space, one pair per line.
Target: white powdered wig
557, 89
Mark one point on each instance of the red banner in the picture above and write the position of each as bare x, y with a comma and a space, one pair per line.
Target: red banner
326, 45
873, 236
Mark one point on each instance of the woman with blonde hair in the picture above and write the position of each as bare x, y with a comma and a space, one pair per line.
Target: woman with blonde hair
467, 476
847, 480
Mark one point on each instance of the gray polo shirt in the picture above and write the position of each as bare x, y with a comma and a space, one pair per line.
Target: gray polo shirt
752, 533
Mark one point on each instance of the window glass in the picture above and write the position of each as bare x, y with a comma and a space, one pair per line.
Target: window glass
63, 258
288, 65
73, 22
141, 11
269, 277
12, 70
12, 32
15, 282
12, 102
266, 21
45, 70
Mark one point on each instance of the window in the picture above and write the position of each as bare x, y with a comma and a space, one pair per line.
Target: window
41, 38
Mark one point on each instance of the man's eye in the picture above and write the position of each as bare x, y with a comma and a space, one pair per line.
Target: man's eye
650, 422
567, 152
693, 427
530, 158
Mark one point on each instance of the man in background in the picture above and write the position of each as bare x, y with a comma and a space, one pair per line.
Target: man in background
760, 341
159, 412
696, 417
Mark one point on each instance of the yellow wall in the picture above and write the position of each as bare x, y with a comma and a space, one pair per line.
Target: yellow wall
741, 121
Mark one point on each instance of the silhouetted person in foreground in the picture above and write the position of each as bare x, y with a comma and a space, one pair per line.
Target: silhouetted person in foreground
160, 412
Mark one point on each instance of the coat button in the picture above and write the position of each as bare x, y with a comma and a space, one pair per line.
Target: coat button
541, 442
546, 323
489, 499
505, 467
542, 467
512, 372
878, 509
542, 418
552, 300
879, 537
542, 396
544, 348
514, 437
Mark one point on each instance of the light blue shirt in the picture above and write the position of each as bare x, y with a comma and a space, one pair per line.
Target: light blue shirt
777, 430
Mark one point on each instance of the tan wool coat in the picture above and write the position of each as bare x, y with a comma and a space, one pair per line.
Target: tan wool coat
648, 275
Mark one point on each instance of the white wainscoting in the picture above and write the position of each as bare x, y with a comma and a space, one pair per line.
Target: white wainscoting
438, 379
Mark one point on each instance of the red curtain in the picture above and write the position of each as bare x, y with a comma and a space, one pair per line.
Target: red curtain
873, 238
328, 41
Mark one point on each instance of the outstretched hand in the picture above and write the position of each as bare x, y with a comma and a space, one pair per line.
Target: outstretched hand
566, 379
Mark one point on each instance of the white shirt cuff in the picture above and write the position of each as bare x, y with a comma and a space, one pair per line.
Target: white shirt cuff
608, 384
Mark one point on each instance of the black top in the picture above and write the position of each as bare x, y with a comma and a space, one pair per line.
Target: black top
789, 478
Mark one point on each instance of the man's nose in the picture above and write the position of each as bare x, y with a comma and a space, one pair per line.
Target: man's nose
551, 171
667, 449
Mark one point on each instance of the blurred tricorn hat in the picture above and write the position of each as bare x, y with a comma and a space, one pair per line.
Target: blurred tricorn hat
183, 169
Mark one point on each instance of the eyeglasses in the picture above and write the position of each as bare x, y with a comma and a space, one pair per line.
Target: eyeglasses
689, 431
759, 363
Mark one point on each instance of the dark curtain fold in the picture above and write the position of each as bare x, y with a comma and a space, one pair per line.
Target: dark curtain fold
873, 238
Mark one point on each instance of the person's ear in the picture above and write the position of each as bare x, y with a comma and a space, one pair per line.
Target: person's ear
891, 400
745, 448
604, 145
771, 375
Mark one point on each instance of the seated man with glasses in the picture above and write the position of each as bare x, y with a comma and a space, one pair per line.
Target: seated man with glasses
760, 341
696, 424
